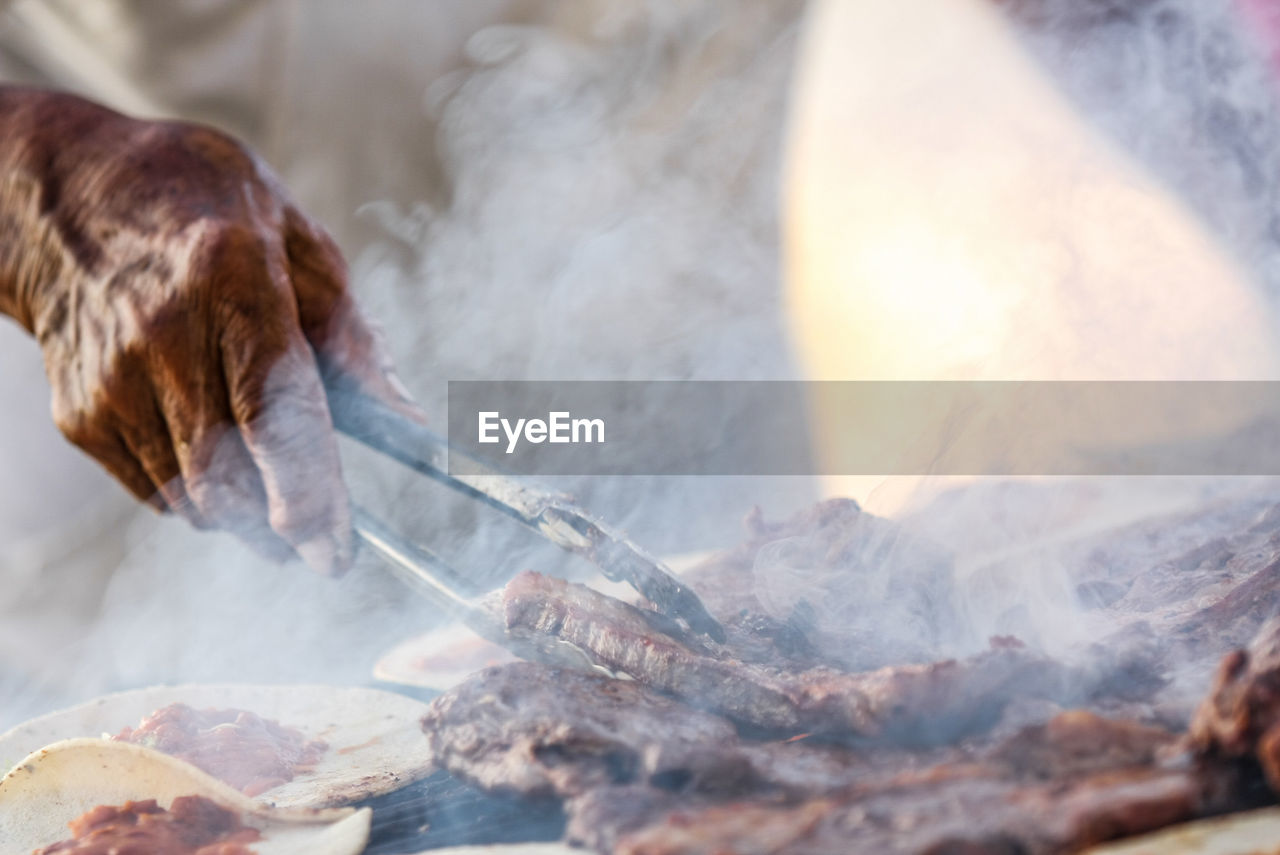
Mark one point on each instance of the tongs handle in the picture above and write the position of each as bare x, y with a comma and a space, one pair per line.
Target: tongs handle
551, 515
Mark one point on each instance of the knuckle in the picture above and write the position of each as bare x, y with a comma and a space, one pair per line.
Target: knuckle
201, 491
240, 271
277, 396
76, 425
204, 156
232, 248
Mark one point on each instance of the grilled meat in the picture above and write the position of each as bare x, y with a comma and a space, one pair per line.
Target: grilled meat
974, 815
913, 704
1041, 792
771, 743
831, 585
1240, 719
537, 730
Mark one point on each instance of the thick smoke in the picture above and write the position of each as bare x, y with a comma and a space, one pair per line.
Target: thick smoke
611, 213
1187, 90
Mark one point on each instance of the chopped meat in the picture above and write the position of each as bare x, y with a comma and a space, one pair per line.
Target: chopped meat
1241, 717
192, 825
914, 704
248, 752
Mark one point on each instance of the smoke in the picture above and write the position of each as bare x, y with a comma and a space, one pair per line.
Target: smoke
611, 212
1187, 90
1183, 91
612, 215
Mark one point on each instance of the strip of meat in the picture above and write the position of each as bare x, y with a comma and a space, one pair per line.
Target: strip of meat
192, 825
1044, 791
1079, 779
915, 704
1237, 617
541, 731
959, 816
1241, 717
243, 749
1079, 742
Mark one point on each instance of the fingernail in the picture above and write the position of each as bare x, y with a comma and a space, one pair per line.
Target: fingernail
326, 555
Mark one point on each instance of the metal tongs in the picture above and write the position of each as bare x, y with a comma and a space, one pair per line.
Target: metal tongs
553, 516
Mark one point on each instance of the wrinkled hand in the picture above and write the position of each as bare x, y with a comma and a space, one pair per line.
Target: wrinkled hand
187, 311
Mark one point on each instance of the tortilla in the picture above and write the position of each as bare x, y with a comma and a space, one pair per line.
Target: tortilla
66, 780
375, 742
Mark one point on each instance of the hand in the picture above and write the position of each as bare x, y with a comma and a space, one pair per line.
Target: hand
187, 311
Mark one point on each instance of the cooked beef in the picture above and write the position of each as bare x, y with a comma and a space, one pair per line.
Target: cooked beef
832, 585
600, 817
1235, 618
539, 730
1241, 717
762, 745
760, 639
642, 772
543, 731
193, 825
976, 815
1042, 792
1078, 742
740, 828
239, 747
1205, 582
914, 704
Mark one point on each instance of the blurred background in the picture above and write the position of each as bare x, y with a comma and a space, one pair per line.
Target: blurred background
658, 189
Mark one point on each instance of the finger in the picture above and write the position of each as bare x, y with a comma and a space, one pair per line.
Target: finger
221, 483
350, 349
226, 487
105, 445
279, 404
145, 433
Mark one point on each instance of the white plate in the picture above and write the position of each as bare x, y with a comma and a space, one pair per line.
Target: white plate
375, 741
